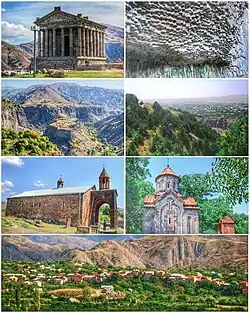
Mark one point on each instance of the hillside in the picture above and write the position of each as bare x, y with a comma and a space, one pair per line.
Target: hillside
14, 57
159, 252
63, 112
40, 248
153, 130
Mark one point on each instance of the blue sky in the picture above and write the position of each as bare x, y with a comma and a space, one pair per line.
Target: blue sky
33, 173
17, 17
146, 89
186, 165
103, 83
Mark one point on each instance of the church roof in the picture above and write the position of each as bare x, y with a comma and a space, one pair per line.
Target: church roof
188, 203
227, 220
104, 174
168, 171
55, 191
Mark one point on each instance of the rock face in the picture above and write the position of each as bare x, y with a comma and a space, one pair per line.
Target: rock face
158, 252
187, 39
13, 117
14, 57
40, 248
39, 108
112, 129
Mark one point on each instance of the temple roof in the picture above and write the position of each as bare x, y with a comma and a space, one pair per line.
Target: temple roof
55, 191
167, 171
59, 16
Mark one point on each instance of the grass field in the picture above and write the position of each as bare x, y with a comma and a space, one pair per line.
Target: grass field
12, 225
80, 74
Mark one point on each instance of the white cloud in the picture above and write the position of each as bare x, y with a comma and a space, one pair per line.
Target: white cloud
38, 183
11, 31
13, 161
6, 186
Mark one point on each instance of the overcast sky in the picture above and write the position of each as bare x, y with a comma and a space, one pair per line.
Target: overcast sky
17, 17
146, 89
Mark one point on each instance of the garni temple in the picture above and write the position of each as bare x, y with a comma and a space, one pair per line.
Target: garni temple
70, 206
69, 41
167, 211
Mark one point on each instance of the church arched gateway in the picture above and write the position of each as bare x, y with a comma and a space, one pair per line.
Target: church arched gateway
105, 195
167, 211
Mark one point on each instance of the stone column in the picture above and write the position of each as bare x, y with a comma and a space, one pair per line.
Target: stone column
91, 42
50, 43
94, 42
71, 41
87, 41
62, 42
46, 42
39, 43
54, 41
83, 42
99, 44
102, 45
79, 41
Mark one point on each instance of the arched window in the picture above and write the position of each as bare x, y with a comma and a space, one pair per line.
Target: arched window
174, 185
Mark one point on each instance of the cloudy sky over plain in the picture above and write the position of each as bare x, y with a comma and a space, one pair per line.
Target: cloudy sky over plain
17, 17
146, 89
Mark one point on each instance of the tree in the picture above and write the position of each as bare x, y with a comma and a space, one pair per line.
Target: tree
196, 185
235, 143
137, 187
230, 177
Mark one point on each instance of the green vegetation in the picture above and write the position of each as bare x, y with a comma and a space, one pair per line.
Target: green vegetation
136, 189
80, 74
236, 140
146, 294
153, 130
26, 143
216, 193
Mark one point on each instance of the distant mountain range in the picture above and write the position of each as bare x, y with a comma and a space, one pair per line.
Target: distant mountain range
229, 99
64, 112
19, 56
158, 252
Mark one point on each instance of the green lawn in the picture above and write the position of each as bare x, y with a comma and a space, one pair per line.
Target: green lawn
81, 74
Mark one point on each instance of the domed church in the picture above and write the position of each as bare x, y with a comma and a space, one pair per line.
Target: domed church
167, 211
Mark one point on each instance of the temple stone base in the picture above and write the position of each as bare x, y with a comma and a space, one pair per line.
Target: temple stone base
69, 62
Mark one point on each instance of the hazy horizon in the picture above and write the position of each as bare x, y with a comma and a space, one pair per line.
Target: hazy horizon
161, 89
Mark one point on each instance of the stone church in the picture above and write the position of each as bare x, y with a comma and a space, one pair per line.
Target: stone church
69, 41
167, 211
73, 206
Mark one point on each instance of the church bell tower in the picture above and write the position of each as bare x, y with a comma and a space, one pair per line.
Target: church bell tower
104, 180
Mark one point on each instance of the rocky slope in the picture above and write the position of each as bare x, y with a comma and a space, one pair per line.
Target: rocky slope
112, 129
14, 57
40, 248
159, 252
38, 107
72, 137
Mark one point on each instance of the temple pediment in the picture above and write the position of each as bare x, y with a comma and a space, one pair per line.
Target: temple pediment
60, 18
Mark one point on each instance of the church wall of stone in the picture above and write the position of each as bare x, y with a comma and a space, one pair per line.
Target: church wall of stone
194, 216
149, 217
51, 209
